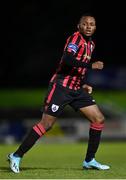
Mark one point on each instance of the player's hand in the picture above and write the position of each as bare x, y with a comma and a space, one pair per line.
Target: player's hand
87, 88
97, 65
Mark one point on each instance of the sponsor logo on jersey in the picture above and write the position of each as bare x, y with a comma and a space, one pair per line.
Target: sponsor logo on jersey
72, 47
54, 107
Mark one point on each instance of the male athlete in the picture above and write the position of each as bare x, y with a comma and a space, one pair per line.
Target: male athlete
67, 87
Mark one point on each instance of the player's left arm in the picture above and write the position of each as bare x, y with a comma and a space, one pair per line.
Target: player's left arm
87, 88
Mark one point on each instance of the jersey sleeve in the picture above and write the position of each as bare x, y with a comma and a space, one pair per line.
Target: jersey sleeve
73, 44
71, 50
70, 60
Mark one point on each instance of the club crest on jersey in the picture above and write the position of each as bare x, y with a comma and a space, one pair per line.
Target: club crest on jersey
54, 107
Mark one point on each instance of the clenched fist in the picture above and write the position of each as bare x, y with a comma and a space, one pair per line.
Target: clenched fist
87, 88
97, 65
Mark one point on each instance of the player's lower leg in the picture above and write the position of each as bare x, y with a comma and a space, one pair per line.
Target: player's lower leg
37, 132
93, 144
14, 158
94, 140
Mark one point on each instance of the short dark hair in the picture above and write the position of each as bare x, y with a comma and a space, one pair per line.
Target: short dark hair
86, 14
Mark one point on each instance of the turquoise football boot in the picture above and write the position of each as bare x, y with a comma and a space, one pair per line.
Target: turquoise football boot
93, 164
14, 162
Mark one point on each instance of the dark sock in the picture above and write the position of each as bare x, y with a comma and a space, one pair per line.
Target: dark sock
30, 140
93, 143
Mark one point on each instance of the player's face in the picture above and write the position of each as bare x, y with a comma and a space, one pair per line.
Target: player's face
87, 25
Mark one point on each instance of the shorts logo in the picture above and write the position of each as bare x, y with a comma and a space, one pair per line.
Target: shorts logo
54, 108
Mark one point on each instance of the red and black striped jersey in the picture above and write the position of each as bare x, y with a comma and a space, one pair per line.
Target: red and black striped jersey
69, 76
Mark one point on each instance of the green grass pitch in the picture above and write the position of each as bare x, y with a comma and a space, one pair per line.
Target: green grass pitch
64, 161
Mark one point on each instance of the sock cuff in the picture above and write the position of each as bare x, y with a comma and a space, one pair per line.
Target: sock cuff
39, 129
97, 126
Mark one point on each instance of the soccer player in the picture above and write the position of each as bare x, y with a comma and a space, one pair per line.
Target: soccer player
67, 87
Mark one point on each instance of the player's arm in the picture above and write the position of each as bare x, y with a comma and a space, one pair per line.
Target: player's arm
87, 88
69, 59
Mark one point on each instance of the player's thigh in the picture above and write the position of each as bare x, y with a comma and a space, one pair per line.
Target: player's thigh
93, 113
55, 101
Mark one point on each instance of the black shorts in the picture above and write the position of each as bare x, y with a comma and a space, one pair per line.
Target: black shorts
58, 97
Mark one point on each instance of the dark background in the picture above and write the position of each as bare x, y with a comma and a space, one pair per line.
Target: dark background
34, 33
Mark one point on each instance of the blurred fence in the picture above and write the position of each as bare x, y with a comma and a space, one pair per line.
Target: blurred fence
70, 127
109, 78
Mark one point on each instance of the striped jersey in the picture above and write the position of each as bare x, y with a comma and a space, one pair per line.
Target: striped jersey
73, 77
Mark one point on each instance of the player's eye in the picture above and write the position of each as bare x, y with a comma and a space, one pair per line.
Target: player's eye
92, 24
84, 24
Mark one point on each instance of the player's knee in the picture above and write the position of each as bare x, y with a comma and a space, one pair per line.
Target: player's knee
98, 123
47, 123
99, 119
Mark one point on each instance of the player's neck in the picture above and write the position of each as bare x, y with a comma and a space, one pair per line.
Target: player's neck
87, 38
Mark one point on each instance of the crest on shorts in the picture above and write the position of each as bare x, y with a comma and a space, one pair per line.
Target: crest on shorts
54, 107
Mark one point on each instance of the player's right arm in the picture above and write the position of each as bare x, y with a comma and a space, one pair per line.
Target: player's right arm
71, 49
70, 60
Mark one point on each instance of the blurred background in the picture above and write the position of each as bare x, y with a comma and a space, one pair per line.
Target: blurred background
32, 38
